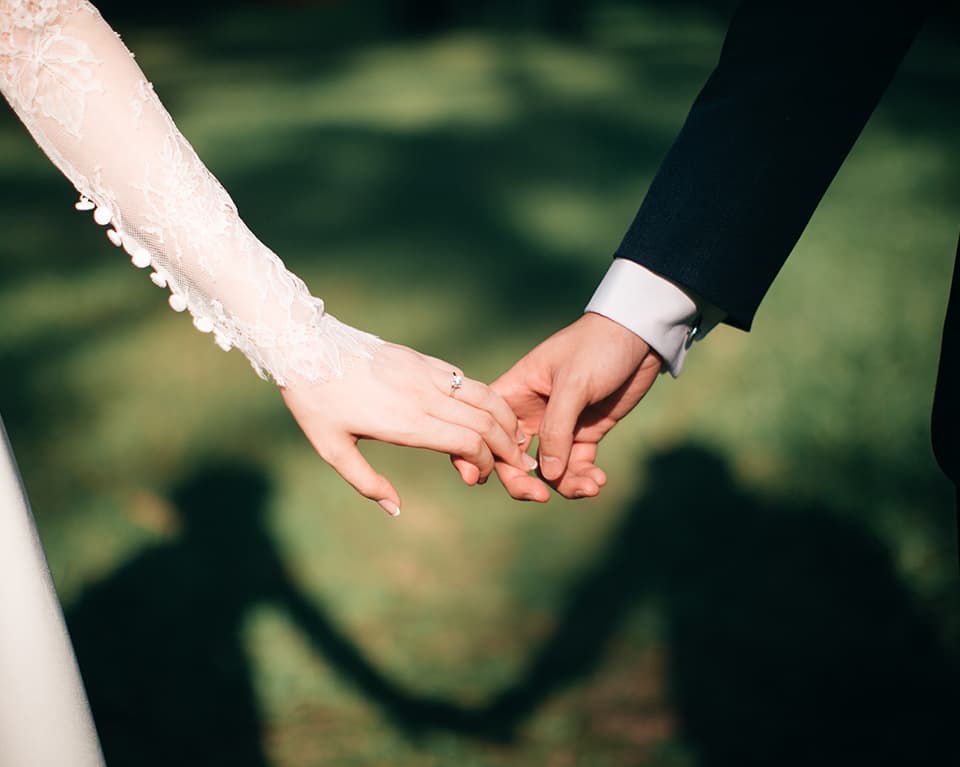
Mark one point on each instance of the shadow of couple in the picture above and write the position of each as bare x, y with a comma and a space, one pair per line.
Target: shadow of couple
790, 637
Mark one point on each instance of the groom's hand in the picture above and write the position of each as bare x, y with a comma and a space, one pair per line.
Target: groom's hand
570, 391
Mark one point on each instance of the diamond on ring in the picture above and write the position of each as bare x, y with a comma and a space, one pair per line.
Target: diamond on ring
456, 382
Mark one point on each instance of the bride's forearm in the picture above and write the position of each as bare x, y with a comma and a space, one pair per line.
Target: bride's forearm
90, 108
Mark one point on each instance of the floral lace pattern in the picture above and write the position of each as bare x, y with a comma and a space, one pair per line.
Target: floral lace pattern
38, 63
87, 104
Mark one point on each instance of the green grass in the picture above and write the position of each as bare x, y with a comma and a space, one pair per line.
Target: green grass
772, 565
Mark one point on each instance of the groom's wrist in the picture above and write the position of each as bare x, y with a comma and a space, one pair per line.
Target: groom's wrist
664, 315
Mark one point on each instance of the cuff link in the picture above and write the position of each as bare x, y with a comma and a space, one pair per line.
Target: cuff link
693, 331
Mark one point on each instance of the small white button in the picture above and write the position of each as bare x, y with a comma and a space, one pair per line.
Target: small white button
102, 215
141, 259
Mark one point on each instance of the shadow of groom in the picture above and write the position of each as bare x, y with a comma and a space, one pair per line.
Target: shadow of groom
790, 638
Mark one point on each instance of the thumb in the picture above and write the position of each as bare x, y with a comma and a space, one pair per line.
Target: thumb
345, 457
567, 400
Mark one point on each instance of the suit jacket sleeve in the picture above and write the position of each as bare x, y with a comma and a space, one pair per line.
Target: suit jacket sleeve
794, 86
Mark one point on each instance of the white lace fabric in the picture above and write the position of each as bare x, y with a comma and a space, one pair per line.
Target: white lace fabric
88, 106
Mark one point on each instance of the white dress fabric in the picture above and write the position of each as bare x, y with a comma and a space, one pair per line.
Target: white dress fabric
85, 101
44, 717
91, 110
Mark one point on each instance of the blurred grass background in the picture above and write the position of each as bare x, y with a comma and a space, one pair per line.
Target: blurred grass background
770, 576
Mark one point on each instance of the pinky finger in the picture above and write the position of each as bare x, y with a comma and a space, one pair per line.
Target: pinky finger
583, 459
574, 486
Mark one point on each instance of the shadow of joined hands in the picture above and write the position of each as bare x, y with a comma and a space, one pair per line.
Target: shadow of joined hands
790, 637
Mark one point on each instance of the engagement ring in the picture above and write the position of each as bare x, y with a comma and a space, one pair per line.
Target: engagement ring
456, 382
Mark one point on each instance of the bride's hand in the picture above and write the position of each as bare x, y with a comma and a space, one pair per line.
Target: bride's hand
405, 398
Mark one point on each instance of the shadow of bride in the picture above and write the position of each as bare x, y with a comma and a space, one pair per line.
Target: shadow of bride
159, 641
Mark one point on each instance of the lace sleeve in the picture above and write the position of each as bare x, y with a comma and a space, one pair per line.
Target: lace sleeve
87, 104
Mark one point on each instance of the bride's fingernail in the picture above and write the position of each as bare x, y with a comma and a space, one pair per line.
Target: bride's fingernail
390, 507
529, 462
521, 436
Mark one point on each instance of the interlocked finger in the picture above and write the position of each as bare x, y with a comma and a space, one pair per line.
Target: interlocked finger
446, 436
503, 444
484, 398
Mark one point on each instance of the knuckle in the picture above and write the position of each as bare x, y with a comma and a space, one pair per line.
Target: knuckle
366, 491
332, 454
371, 487
553, 432
473, 445
488, 424
501, 411
573, 378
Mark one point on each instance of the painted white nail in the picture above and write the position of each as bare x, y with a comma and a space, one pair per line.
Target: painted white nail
390, 507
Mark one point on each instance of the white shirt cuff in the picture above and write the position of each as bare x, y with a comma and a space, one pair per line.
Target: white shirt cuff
664, 315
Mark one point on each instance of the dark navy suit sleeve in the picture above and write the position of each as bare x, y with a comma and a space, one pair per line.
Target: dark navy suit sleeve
794, 86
